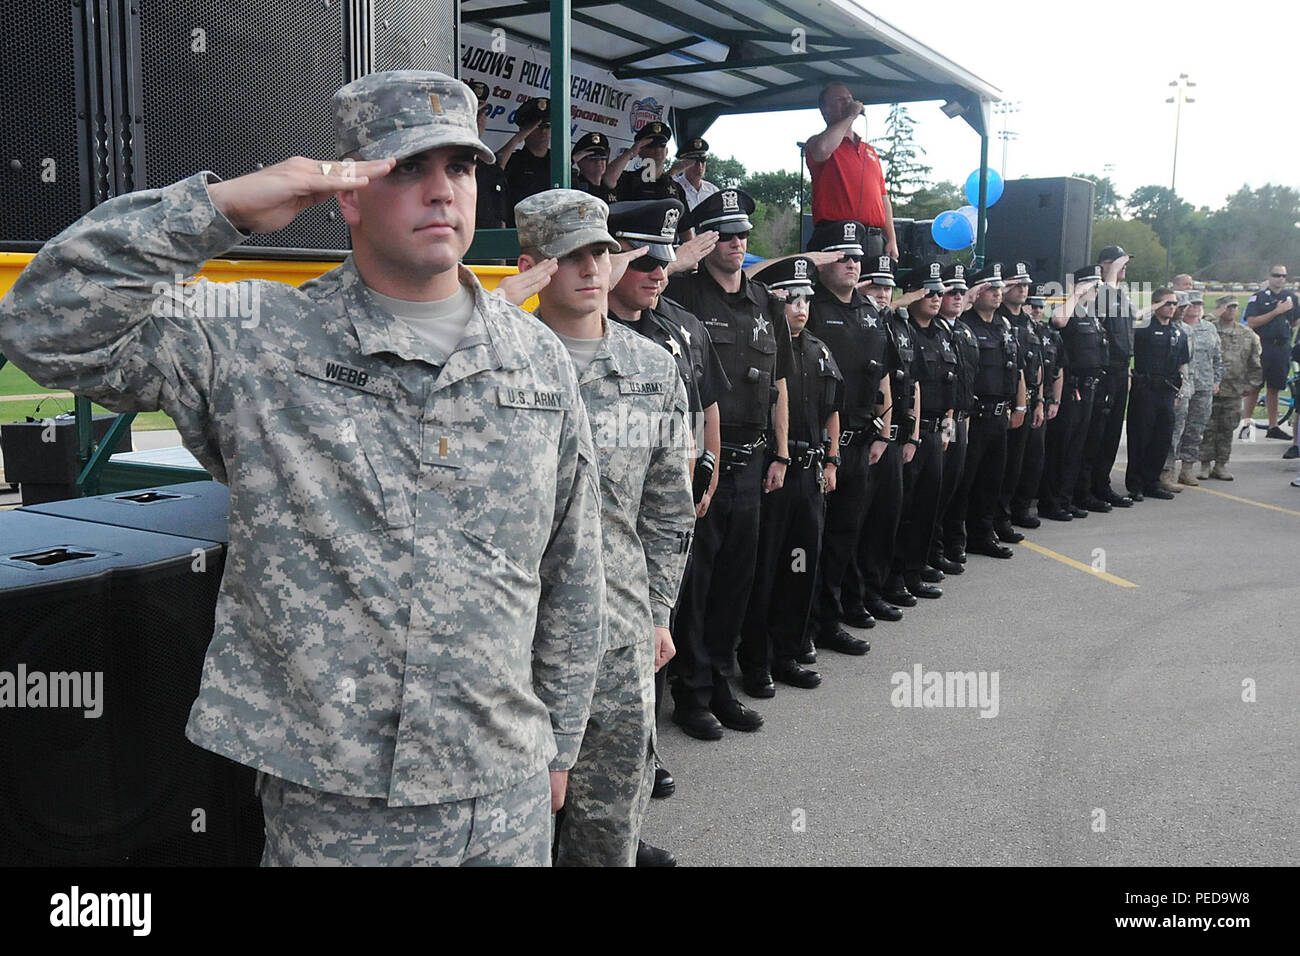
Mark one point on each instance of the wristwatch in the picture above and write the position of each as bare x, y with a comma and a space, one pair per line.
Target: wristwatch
784, 461
833, 460
914, 441
1020, 408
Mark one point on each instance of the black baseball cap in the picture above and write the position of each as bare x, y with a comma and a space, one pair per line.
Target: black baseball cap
1111, 253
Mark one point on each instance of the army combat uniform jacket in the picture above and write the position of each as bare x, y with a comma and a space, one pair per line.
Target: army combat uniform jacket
412, 600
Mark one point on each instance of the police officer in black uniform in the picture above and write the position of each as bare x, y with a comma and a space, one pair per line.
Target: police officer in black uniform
1084, 340
1013, 309
869, 580
999, 403
935, 369
1272, 312
1031, 471
790, 533
490, 212
590, 157
1117, 316
653, 180
752, 339
527, 168
851, 326
949, 551
1159, 351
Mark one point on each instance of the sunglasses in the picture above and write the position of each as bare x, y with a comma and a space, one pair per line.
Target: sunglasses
1167, 302
932, 294
849, 257
646, 264
1278, 275
734, 235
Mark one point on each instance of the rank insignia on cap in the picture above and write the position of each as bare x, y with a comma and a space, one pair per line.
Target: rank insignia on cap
882, 264
935, 269
434, 103
671, 216
543, 104
595, 139
730, 201
850, 230
801, 268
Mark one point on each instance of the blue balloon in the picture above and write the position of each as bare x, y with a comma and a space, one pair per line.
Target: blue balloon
994, 188
952, 231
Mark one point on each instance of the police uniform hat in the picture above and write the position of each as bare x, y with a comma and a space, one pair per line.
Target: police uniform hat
656, 132
838, 235
650, 222
796, 275
991, 273
882, 271
558, 221
1111, 253
926, 275
1087, 274
480, 89
399, 113
726, 211
1037, 296
1223, 300
695, 148
1017, 273
592, 144
954, 276
538, 108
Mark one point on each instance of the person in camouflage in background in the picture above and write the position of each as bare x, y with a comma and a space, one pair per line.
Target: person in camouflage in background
409, 625
637, 405
1241, 371
1205, 371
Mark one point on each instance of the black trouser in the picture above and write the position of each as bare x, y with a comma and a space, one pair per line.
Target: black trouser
950, 536
922, 485
845, 510
1065, 447
1104, 433
716, 589
869, 571
1031, 469
789, 546
1017, 442
986, 460
1150, 430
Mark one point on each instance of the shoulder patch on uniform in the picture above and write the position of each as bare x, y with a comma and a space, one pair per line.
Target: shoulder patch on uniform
338, 373
532, 398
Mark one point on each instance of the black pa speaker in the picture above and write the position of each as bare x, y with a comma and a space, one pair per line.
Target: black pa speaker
43, 456
103, 631
1045, 223
195, 509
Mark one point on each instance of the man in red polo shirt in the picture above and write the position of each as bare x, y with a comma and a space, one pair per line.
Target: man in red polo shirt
847, 182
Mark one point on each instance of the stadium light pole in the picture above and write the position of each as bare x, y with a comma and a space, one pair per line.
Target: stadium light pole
1006, 108
1179, 98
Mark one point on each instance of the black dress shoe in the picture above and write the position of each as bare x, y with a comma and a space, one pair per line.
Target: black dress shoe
899, 595
1025, 520
736, 715
665, 785
930, 575
698, 722
1055, 514
842, 641
1077, 512
1156, 492
647, 855
758, 684
858, 617
990, 548
809, 653
959, 555
922, 590
1136, 495
788, 672
1006, 533
1115, 500
883, 610
946, 566
1093, 503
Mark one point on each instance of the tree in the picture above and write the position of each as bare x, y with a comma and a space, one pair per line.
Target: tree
1254, 229
776, 231
1137, 239
725, 173
1106, 202
901, 156
780, 188
928, 201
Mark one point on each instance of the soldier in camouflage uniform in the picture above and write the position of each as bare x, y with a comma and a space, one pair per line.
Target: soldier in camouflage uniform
637, 405
1205, 371
1241, 371
410, 621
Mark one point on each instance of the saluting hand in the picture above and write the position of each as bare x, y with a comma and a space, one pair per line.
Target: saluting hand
522, 286
618, 262
690, 252
268, 200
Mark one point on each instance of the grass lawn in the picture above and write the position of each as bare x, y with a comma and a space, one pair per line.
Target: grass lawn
14, 381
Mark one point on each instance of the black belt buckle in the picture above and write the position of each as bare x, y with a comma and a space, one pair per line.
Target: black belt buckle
893, 432
846, 437
1000, 409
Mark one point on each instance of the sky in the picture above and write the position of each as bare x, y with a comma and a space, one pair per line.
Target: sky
1092, 92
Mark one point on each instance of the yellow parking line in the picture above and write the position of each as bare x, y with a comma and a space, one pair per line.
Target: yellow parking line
1077, 565
1245, 501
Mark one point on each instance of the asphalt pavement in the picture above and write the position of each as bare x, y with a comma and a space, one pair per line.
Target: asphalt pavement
1149, 717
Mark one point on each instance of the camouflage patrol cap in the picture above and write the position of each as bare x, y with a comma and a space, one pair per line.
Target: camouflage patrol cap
399, 113
558, 221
